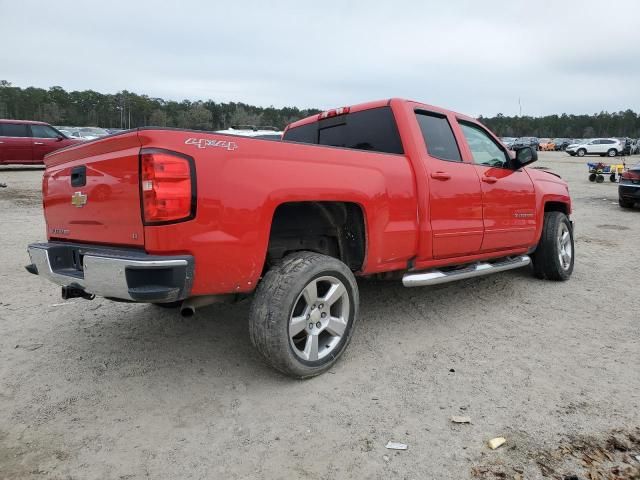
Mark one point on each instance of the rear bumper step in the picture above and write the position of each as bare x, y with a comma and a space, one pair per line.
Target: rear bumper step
122, 274
436, 277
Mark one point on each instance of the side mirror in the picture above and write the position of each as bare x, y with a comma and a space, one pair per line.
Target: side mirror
524, 156
60, 137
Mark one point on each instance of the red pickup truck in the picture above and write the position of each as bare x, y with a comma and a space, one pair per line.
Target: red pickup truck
393, 188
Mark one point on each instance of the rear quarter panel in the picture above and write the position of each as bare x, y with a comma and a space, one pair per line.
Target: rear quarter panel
241, 182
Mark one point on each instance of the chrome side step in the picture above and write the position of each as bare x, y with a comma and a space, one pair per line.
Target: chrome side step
436, 277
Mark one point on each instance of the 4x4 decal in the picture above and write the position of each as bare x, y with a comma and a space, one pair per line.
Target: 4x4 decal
206, 142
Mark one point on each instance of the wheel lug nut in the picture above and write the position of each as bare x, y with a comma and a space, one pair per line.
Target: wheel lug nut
323, 315
311, 326
321, 305
308, 316
318, 324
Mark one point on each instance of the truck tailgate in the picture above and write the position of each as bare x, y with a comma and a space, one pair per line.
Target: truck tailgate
91, 192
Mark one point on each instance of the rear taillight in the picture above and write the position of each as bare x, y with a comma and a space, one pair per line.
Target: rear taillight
631, 175
167, 185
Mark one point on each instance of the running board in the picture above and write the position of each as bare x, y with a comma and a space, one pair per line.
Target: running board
436, 277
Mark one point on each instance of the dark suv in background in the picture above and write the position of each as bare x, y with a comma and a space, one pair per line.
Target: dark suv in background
521, 142
27, 142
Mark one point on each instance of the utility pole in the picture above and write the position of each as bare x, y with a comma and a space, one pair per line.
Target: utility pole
520, 105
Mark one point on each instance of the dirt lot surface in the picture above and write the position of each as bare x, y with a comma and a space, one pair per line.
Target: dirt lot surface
99, 390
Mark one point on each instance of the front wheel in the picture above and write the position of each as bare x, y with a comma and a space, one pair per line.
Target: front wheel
303, 314
554, 256
582, 152
612, 152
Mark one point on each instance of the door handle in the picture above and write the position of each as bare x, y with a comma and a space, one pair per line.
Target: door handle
489, 179
38, 143
440, 175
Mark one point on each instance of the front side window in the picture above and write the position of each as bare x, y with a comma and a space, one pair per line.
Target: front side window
14, 130
43, 131
438, 136
484, 150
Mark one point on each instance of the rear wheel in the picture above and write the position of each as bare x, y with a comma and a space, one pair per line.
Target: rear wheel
612, 177
303, 314
581, 152
612, 152
554, 256
592, 177
599, 178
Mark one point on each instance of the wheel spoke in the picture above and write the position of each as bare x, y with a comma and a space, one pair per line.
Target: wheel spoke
566, 258
297, 325
311, 348
565, 238
336, 326
310, 293
334, 294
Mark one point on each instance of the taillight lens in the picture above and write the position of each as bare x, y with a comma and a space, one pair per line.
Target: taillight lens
631, 175
167, 183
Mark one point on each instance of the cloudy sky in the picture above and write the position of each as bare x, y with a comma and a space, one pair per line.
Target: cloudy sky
476, 57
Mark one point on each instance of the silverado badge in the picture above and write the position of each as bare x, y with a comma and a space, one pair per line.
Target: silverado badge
79, 199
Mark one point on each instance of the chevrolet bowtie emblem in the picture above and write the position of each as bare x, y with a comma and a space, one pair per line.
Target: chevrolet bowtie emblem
78, 199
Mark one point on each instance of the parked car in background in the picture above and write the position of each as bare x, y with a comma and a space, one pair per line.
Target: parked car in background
560, 144
626, 146
532, 142
547, 145
629, 187
27, 142
254, 131
508, 142
85, 133
635, 147
596, 146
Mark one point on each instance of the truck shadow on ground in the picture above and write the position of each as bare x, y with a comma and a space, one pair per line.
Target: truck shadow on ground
129, 340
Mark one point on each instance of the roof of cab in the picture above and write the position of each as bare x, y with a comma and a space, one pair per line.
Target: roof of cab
381, 103
27, 122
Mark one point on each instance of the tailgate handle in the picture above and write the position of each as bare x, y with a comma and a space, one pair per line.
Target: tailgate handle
79, 176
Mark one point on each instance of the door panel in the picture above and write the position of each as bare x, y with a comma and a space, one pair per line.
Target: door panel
456, 208
509, 206
17, 144
508, 195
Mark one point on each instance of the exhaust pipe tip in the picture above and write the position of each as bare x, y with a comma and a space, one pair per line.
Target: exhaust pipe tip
187, 312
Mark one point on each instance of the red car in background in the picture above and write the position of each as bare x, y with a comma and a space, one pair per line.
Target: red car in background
27, 142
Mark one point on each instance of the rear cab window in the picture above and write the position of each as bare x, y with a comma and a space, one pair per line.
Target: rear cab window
373, 130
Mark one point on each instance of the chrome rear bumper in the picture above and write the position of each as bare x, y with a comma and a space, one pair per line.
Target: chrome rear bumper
115, 273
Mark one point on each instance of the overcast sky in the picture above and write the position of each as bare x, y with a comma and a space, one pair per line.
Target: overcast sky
476, 57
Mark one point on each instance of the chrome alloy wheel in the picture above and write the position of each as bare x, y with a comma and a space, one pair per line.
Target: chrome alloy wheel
319, 318
565, 249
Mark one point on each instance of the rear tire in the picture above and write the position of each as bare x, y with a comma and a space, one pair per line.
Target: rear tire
599, 179
303, 314
592, 177
612, 152
612, 178
554, 256
582, 152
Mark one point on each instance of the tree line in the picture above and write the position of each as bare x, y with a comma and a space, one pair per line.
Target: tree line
128, 110
603, 124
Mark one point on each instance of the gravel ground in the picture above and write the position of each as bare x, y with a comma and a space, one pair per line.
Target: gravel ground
100, 390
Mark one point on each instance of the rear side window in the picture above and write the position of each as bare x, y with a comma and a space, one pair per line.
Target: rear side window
374, 130
438, 136
14, 130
